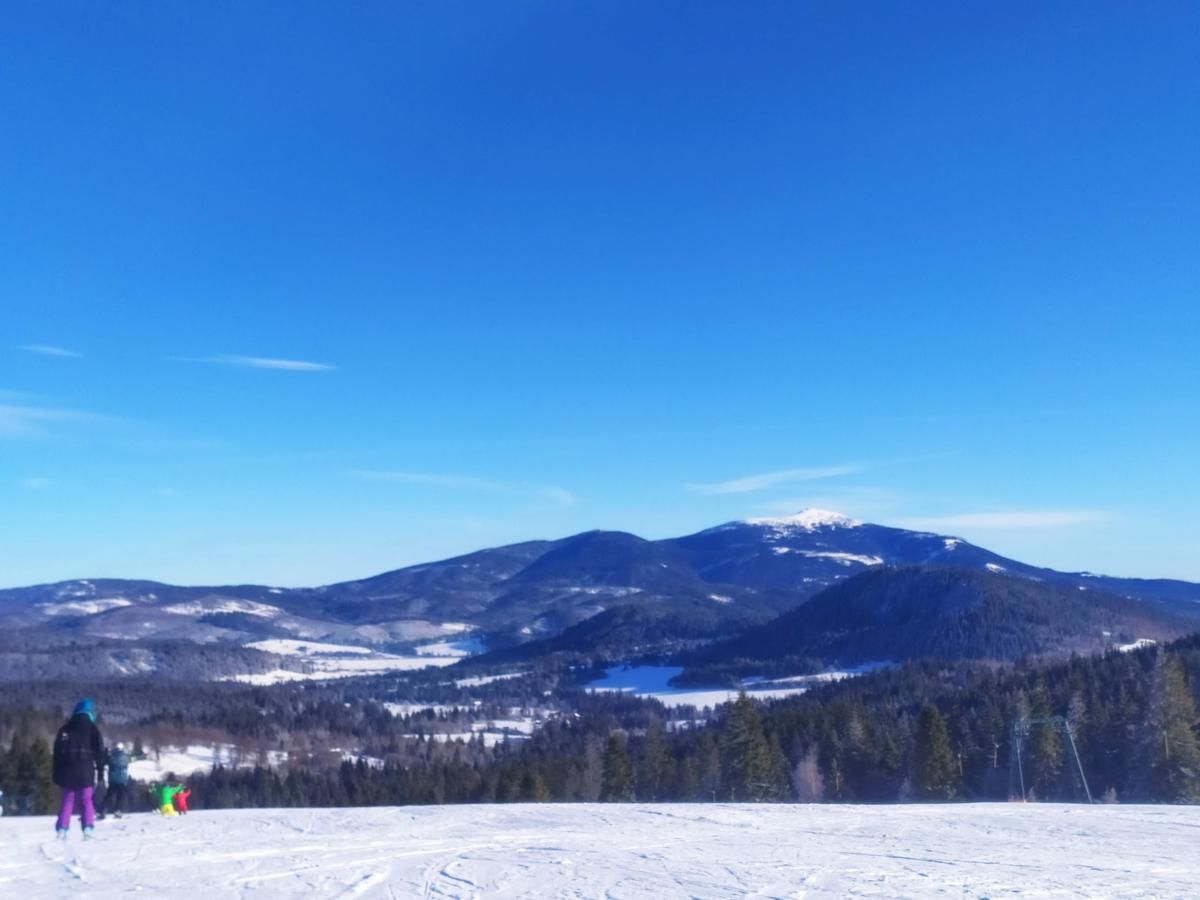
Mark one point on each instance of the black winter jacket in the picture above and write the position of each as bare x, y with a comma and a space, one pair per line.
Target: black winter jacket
78, 753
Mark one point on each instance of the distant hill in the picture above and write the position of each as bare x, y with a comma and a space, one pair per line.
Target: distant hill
622, 632
715, 582
894, 614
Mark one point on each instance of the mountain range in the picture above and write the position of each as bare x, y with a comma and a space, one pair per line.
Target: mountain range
716, 583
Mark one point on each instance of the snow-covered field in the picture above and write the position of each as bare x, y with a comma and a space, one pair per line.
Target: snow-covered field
183, 761
326, 662
292, 647
618, 851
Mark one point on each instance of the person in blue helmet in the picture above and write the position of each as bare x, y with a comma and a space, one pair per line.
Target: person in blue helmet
78, 763
117, 796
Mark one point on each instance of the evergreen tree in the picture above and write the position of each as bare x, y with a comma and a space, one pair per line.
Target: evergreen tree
1172, 753
38, 773
618, 773
28, 785
935, 772
1045, 750
533, 788
749, 768
708, 767
591, 778
656, 769
687, 780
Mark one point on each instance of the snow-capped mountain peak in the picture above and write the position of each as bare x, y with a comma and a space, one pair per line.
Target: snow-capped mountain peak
807, 520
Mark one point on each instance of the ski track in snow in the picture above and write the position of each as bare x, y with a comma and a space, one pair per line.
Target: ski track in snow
618, 851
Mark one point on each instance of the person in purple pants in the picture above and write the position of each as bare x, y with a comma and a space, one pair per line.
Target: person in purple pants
78, 762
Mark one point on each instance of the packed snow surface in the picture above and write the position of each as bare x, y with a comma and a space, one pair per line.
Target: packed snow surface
617, 851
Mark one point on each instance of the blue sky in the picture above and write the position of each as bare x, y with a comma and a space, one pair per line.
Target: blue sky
292, 294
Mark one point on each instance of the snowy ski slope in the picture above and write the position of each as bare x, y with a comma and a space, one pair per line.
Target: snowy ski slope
618, 851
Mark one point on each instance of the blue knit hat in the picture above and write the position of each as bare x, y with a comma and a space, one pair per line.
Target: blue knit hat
87, 707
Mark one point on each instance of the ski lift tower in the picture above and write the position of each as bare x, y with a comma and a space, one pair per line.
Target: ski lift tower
1016, 763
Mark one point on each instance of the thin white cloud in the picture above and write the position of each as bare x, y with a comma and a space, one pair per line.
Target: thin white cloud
1011, 519
265, 362
18, 420
749, 483
36, 483
549, 492
867, 502
50, 350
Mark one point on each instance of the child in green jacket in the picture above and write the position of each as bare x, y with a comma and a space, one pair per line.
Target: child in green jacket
164, 796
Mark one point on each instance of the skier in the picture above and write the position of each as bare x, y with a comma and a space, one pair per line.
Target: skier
117, 796
180, 800
78, 763
164, 795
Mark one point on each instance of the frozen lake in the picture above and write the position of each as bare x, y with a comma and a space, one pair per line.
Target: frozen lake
653, 681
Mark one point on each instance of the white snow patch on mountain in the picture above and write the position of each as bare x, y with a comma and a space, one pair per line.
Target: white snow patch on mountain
223, 605
480, 680
489, 738
1136, 645
808, 520
720, 598
321, 667
606, 590
400, 710
952, 543
289, 647
844, 559
83, 607
992, 567
463, 648
711, 850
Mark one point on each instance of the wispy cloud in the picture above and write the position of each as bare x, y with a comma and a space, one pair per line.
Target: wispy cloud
50, 350
868, 502
749, 483
549, 492
36, 483
266, 362
1012, 519
34, 421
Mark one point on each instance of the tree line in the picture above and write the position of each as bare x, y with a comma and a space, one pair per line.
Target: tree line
925, 731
